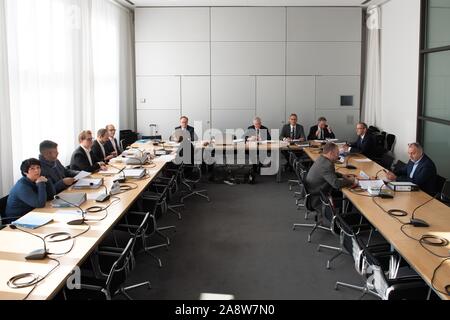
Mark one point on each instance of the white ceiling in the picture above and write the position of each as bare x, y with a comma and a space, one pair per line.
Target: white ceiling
212, 3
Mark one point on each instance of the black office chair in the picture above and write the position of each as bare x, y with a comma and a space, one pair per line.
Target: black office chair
390, 142
311, 209
3, 202
386, 161
116, 277
380, 269
445, 192
191, 180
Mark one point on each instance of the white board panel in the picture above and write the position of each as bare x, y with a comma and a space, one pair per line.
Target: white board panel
166, 121
232, 119
233, 92
301, 99
248, 58
324, 24
324, 58
158, 92
248, 24
271, 101
330, 89
172, 58
196, 101
174, 24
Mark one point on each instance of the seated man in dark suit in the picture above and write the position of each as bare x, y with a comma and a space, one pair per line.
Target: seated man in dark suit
257, 132
420, 170
289, 133
292, 131
321, 131
52, 169
185, 128
99, 147
83, 158
112, 147
366, 143
323, 176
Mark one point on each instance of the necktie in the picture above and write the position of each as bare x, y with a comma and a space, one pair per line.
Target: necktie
293, 133
321, 134
257, 134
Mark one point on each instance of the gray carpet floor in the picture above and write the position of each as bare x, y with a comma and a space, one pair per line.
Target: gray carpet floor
242, 244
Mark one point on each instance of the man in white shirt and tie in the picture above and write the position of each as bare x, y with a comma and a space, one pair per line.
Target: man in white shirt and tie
185, 129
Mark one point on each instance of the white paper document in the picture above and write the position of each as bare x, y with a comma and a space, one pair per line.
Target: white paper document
82, 175
372, 184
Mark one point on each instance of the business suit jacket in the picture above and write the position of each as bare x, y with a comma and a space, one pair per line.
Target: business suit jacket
424, 176
286, 132
326, 133
81, 162
55, 173
98, 153
323, 177
264, 133
110, 149
367, 146
191, 131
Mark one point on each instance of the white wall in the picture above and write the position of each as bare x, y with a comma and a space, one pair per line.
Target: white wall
400, 47
225, 65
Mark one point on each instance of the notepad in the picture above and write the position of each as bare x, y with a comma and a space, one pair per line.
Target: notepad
88, 183
32, 221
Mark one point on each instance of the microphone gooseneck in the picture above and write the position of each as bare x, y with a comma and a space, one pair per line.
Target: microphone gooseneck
77, 222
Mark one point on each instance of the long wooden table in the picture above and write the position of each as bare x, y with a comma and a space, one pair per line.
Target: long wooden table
15, 245
435, 213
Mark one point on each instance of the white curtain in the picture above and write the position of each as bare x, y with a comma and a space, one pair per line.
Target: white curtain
372, 84
6, 168
65, 68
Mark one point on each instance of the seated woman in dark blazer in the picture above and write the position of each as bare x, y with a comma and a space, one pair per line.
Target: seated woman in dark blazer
30, 192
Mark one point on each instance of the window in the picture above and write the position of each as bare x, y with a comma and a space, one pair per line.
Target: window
434, 100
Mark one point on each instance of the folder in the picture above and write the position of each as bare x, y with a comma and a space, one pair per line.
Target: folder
32, 221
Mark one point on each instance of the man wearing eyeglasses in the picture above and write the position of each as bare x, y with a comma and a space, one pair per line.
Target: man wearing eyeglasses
112, 147
83, 159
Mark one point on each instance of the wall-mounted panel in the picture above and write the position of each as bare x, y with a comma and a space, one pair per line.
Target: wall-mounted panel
232, 119
172, 58
331, 89
196, 103
248, 24
233, 92
324, 24
158, 92
324, 58
301, 99
271, 101
172, 24
248, 58
166, 121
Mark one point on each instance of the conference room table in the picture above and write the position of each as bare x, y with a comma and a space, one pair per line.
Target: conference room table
16, 245
435, 213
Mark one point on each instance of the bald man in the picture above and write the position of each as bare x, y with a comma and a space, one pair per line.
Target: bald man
111, 146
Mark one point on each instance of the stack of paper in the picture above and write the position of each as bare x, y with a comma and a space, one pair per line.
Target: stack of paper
31, 221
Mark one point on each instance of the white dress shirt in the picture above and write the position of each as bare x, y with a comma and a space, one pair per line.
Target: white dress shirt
88, 153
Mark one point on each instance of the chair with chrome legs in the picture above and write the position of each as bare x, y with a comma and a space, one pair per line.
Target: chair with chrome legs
380, 270
123, 262
191, 182
310, 209
301, 172
157, 195
293, 161
170, 178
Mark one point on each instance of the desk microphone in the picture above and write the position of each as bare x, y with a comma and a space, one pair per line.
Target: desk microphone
40, 254
419, 223
349, 166
124, 177
103, 197
77, 222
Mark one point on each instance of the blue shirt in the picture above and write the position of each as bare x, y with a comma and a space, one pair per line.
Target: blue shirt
416, 164
26, 196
